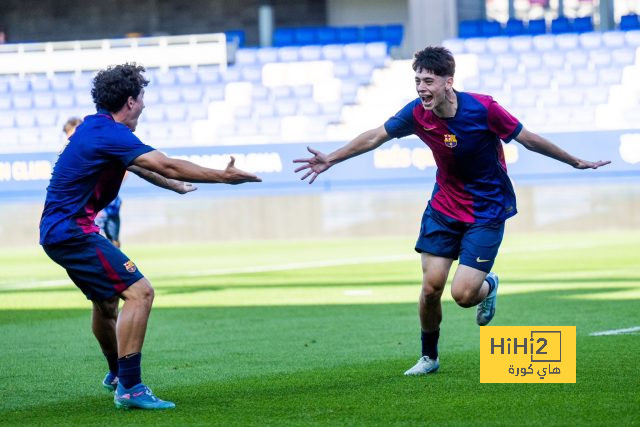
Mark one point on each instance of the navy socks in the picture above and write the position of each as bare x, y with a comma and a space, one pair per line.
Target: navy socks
430, 344
112, 360
129, 370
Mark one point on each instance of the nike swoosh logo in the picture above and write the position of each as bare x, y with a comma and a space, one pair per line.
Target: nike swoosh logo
428, 129
482, 260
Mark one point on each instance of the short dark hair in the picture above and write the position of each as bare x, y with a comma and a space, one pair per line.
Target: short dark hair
114, 85
435, 59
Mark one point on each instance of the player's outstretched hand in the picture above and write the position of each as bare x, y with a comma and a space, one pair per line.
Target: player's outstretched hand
237, 176
316, 165
187, 187
583, 164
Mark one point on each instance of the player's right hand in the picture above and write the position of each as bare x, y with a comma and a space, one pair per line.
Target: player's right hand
316, 165
234, 176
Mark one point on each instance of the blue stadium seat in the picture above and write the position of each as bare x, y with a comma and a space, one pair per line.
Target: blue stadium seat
514, 27
341, 69
508, 61
309, 108
251, 73
392, 34
490, 28
4, 85
260, 92
475, 45
633, 38
456, 46
541, 79
281, 92
587, 78
486, 63
468, 29
191, 93
208, 75
561, 25
43, 100
629, 22
7, 120
349, 91
19, 85
63, 99
305, 36
9, 136
377, 53
302, 91
371, 33
186, 76
5, 103
22, 101
236, 36
578, 59
25, 119
283, 37
60, 82
166, 78
231, 74
361, 70
170, 95
327, 35
214, 93
544, 42
536, 26
348, 35
40, 84
152, 96
531, 60
269, 126
498, 44
610, 75
553, 60
286, 107
522, 43
196, 112
246, 56
623, 56
583, 25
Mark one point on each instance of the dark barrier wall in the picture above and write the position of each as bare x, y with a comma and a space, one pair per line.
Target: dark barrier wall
56, 20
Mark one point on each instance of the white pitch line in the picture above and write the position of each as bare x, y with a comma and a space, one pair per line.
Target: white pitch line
616, 331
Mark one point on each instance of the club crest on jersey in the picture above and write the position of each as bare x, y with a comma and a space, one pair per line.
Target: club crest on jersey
450, 140
130, 266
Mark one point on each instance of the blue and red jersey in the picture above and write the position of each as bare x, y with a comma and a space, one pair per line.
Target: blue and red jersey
472, 185
87, 177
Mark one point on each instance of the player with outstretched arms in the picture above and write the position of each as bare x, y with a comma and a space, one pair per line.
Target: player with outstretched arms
472, 197
86, 177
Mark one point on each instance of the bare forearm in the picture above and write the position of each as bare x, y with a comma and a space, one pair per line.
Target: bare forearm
540, 145
364, 142
184, 170
158, 180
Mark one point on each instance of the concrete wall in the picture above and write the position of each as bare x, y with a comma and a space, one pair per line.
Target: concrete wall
553, 207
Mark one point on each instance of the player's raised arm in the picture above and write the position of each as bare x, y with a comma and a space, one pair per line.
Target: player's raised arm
184, 170
538, 144
362, 143
179, 187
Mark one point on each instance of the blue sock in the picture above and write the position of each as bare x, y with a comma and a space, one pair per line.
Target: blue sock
129, 370
112, 360
492, 284
430, 344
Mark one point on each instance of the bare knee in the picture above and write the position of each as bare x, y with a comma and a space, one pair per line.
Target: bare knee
140, 292
432, 288
107, 309
464, 297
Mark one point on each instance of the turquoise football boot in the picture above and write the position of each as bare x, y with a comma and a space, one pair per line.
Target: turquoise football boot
139, 396
487, 308
110, 382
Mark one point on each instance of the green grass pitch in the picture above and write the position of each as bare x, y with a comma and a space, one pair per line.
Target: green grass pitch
320, 332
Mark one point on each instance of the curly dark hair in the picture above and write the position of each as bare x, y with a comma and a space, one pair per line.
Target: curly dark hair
435, 59
114, 85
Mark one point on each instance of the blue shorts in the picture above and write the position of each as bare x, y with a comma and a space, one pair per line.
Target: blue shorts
475, 244
98, 268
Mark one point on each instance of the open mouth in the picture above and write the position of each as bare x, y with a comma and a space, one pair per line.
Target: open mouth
426, 98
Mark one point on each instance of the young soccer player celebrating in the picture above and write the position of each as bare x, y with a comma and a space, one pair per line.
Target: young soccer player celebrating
472, 196
86, 177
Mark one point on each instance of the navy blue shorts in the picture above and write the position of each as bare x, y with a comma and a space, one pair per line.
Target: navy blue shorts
475, 244
98, 268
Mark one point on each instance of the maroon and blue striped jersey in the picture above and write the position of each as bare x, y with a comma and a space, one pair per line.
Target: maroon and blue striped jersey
87, 177
472, 185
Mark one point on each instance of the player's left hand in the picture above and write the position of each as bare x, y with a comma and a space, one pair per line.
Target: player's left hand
188, 187
583, 164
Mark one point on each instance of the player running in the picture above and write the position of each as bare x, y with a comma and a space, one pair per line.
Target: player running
86, 177
472, 196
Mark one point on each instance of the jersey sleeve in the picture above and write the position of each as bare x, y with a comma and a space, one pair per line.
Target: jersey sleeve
125, 147
502, 123
402, 124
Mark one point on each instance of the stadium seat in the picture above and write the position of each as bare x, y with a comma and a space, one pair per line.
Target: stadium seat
40, 84
22, 101
564, 79
286, 107
590, 40
289, 53
60, 82
251, 73
186, 76
561, 25
544, 42
237, 37
310, 53
19, 85
469, 29
266, 55
600, 58
4, 85
332, 52
507, 61
281, 92
371, 33
25, 119
341, 70
8, 136
536, 26
349, 91
196, 112
633, 38
498, 44
166, 78
208, 75
191, 93
83, 100
269, 126
486, 63
7, 120
567, 41
471, 84
43, 100
348, 34
614, 39
327, 35
629, 22
456, 46
214, 93
521, 43
302, 91
361, 70
175, 112
475, 45
170, 95
586, 78
63, 99
516, 80
525, 98
354, 51
491, 81
377, 53
259, 92
47, 118
577, 58
583, 24
305, 36
264, 110
623, 56
540, 79
5, 103
514, 27
154, 114
283, 37
392, 34
610, 76
531, 61
549, 98
490, 28
572, 96
309, 108
152, 96
231, 74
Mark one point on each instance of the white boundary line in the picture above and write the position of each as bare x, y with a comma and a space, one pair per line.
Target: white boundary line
616, 331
